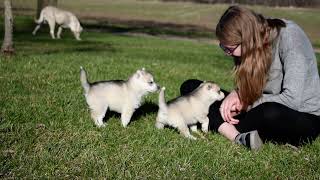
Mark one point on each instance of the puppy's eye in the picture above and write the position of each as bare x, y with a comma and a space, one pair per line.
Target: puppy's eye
150, 82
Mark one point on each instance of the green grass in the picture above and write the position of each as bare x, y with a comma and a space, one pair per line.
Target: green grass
46, 130
202, 15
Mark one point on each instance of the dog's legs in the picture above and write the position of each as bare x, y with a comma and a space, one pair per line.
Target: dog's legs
76, 35
194, 128
205, 124
184, 130
59, 32
126, 117
161, 119
97, 115
159, 125
36, 29
52, 26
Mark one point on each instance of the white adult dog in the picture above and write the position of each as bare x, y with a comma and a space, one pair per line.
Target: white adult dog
188, 110
64, 19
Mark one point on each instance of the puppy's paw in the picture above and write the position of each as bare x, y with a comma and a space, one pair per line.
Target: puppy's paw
205, 131
192, 137
101, 125
159, 125
202, 136
125, 123
189, 136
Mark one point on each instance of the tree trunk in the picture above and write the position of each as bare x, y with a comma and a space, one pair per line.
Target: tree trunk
7, 45
44, 3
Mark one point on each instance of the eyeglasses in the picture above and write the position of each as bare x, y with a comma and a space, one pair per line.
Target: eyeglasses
228, 51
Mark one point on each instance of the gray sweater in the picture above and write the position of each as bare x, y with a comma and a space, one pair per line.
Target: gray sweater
293, 76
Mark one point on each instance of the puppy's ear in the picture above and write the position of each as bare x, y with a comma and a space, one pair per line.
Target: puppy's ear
141, 71
209, 87
137, 75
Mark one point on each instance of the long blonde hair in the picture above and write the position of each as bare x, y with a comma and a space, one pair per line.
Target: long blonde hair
255, 33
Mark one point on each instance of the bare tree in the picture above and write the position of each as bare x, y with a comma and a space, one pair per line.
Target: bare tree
44, 3
7, 45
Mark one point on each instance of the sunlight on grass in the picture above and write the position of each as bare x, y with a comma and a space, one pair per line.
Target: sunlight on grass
46, 130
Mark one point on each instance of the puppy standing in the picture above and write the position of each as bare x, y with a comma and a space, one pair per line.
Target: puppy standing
188, 110
63, 18
117, 95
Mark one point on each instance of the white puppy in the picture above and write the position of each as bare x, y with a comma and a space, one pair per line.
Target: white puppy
64, 19
117, 95
188, 110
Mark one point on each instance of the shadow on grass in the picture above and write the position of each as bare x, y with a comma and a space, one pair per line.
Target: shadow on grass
115, 25
143, 110
27, 44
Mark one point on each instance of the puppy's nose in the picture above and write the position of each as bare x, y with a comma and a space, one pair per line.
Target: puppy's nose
222, 94
158, 87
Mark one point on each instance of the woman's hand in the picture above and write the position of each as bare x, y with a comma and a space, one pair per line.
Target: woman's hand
230, 107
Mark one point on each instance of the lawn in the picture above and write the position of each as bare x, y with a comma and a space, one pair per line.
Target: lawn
46, 130
183, 13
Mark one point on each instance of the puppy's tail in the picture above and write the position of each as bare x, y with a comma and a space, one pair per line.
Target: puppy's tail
84, 81
162, 100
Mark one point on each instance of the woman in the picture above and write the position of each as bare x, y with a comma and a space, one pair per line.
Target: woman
277, 95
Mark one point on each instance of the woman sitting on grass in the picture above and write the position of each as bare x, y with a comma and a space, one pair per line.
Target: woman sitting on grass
277, 95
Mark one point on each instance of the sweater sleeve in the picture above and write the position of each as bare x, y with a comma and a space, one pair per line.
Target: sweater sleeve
295, 51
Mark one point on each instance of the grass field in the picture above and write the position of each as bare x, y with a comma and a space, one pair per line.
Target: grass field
201, 15
46, 130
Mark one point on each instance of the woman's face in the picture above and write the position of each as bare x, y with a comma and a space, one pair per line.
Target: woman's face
231, 50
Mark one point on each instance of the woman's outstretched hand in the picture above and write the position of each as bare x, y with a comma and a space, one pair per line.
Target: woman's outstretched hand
230, 107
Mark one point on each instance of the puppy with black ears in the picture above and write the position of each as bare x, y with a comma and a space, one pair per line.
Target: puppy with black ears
122, 96
188, 110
